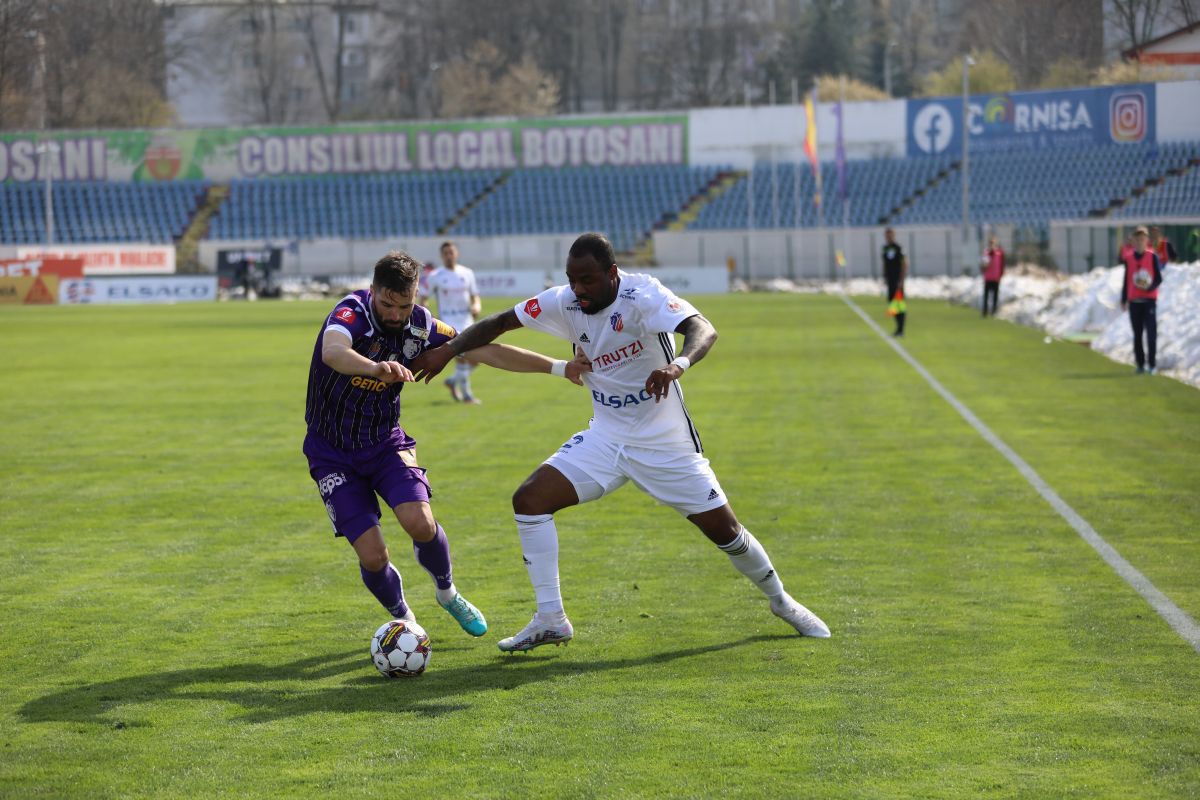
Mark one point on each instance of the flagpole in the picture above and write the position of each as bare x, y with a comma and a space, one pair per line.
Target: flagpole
749, 201
843, 188
823, 261
796, 185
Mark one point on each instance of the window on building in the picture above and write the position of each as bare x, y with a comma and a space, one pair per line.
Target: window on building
353, 58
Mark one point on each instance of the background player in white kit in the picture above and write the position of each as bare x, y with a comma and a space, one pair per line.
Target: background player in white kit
622, 323
457, 295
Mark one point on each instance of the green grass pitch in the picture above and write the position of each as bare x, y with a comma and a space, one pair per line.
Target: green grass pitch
178, 620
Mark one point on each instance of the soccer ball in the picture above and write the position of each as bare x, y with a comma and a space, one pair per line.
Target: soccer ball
1142, 279
400, 649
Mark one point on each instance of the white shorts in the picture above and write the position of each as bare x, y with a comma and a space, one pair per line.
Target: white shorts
678, 477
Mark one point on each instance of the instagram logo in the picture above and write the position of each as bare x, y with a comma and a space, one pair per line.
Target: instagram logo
1128, 116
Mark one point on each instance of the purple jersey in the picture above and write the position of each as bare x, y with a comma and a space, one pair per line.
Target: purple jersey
351, 412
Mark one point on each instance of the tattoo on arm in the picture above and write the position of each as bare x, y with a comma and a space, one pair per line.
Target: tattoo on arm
484, 331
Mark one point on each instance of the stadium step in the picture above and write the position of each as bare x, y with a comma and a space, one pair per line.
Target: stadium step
188, 246
719, 185
462, 213
918, 193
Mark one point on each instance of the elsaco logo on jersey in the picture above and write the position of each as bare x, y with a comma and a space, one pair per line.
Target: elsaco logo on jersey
330, 482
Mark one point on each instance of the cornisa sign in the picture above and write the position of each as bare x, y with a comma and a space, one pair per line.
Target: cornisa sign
1028, 120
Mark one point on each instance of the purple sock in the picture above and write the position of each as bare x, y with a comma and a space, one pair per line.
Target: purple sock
434, 556
387, 588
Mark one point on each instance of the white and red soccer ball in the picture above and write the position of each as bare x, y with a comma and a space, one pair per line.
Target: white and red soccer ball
400, 649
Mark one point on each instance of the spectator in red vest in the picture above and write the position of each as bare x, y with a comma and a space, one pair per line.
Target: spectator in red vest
1126, 249
993, 269
1162, 246
1139, 293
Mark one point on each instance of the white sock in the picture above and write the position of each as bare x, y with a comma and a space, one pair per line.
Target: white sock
539, 545
445, 595
749, 558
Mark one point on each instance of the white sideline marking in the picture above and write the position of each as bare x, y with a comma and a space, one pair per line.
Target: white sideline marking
1176, 617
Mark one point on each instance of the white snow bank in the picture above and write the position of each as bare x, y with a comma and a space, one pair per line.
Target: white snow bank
1064, 305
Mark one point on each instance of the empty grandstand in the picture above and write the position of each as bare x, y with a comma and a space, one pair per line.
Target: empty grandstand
705, 177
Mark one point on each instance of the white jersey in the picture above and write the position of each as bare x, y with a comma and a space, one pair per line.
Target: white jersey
626, 341
453, 290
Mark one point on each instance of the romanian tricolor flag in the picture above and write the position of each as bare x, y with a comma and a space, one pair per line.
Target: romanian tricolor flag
810, 143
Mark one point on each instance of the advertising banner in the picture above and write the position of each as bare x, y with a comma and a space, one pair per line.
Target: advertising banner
222, 154
112, 259
167, 289
29, 290
1028, 120
518, 283
32, 267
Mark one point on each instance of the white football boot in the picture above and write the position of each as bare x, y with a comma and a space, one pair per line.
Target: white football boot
539, 631
804, 621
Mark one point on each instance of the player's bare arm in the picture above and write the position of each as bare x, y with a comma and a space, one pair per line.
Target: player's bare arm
338, 355
476, 305
699, 335
518, 359
483, 332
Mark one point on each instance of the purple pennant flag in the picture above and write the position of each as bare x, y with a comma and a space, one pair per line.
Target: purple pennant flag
840, 155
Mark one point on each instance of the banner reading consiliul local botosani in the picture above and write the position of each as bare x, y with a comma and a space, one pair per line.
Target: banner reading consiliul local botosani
222, 154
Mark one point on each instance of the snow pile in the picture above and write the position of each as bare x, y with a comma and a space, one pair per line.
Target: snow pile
1070, 305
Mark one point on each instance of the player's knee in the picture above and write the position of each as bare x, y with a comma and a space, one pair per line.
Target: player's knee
421, 527
526, 501
374, 560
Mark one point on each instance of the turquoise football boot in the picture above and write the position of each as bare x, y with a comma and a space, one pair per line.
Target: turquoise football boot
466, 615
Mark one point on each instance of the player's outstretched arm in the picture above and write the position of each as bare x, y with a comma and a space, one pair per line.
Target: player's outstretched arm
340, 357
518, 359
698, 338
431, 362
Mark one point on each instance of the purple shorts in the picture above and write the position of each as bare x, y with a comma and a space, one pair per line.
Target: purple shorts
349, 481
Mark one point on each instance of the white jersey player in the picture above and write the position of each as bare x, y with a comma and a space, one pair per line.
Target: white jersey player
623, 325
457, 295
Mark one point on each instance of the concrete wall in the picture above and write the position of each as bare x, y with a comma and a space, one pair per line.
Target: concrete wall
810, 254
1082, 246
1178, 116
358, 256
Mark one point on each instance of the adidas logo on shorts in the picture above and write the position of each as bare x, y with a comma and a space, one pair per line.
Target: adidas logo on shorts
712, 494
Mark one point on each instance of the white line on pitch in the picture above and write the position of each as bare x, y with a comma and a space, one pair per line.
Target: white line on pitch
1176, 617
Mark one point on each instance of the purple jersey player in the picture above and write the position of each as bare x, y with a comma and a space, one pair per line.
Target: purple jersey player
355, 446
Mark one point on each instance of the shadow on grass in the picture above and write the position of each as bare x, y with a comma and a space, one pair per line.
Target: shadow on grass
270, 692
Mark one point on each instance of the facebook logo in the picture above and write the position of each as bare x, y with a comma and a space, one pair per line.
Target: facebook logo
932, 128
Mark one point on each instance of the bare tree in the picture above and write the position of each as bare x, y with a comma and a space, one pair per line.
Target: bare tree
1031, 35
269, 60
702, 54
19, 24
106, 63
1136, 19
330, 88
610, 16
482, 84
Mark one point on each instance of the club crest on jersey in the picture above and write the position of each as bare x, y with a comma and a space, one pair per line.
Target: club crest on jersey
412, 348
375, 349
346, 315
617, 323
532, 308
